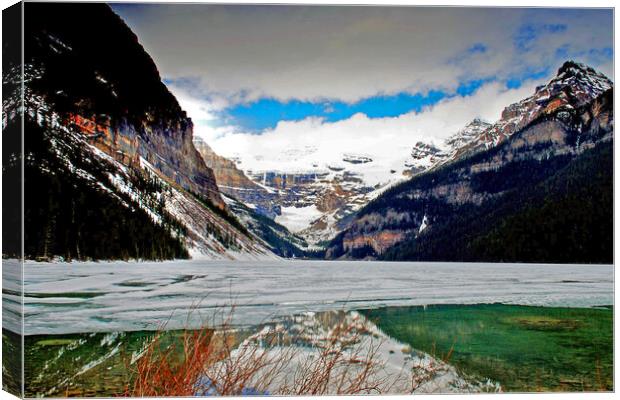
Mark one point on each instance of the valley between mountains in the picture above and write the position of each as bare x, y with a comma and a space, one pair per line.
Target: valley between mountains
113, 170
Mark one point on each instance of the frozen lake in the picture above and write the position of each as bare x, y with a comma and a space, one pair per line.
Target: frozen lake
122, 296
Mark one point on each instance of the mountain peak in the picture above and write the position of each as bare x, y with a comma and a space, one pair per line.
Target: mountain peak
571, 67
467, 133
580, 77
476, 122
574, 86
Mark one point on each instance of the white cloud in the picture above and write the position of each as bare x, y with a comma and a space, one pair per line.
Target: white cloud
197, 109
239, 53
313, 144
202, 113
220, 55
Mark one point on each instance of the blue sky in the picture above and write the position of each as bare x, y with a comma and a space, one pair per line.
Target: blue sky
265, 113
249, 68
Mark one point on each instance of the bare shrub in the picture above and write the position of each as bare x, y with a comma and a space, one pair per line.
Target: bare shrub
219, 362
161, 371
339, 365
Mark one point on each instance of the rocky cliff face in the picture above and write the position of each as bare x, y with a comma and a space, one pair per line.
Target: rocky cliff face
535, 140
574, 86
426, 156
233, 182
90, 66
312, 204
111, 148
423, 156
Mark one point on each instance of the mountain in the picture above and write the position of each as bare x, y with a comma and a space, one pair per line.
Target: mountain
317, 188
426, 156
423, 156
535, 186
275, 236
574, 86
233, 182
111, 171
457, 143
320, 188
256, 206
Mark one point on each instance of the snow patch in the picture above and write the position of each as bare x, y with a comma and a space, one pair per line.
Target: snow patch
423, 225
296, 219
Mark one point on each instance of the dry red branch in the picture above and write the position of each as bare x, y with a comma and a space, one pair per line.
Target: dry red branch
345, 361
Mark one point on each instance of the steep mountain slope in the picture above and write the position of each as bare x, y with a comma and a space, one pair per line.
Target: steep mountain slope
275, 236
566, 218
119, 101
425, 157
232, 181
477, 207
574, 86
255, 206
111, 170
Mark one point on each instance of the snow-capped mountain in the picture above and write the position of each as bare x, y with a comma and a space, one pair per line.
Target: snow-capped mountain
467, 134
458, 141
315, 187
546, 166
312, 202
233, 182
574, 85
425, 156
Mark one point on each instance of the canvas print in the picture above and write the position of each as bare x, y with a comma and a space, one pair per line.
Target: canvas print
263, 200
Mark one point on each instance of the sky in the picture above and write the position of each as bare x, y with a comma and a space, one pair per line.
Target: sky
263, 78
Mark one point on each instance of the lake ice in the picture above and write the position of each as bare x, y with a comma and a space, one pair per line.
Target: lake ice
122, 296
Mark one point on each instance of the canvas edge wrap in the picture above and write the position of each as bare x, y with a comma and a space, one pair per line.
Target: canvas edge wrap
12, 199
